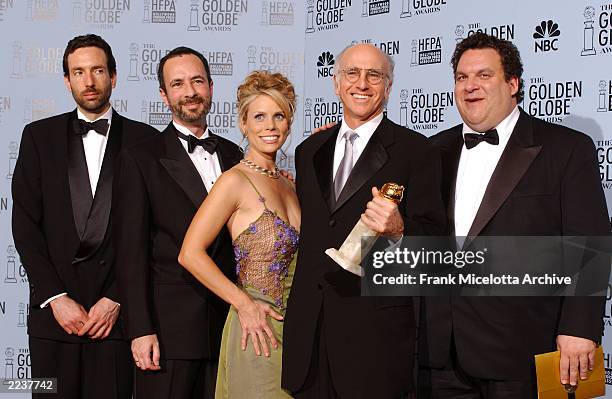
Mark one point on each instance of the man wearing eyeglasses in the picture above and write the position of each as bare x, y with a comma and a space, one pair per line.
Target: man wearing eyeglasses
336, 343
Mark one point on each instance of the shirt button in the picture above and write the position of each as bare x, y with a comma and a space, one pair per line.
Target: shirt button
332, 223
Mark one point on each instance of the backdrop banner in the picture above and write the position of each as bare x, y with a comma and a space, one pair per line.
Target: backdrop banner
566, 50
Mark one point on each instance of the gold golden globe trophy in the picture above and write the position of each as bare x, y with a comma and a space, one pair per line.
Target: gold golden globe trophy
362, 238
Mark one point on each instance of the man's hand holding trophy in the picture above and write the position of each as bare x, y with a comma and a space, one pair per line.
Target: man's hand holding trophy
378, 219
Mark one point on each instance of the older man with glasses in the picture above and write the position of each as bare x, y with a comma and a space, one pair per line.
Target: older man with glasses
337, 343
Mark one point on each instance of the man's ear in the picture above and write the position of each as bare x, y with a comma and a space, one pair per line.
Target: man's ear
164, 97
336, 85
388, 90
514, 85
67, 82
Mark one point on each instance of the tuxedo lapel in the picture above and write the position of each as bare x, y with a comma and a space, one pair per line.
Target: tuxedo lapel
450, 164
181, 169
76, 183
373, 158
226, 155
514, 162
78, 176
98, 219
323, 162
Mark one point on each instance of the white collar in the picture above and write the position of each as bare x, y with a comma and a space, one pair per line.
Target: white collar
364, 131
107, 115
188, 132
504, 128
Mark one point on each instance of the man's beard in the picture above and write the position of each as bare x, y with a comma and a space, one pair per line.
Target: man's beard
93, 106
191, 116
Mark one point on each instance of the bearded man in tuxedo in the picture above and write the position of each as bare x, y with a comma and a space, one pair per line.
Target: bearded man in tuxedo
62, 207
173, 321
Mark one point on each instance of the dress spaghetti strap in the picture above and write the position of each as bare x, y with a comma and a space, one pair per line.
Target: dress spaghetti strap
261, 197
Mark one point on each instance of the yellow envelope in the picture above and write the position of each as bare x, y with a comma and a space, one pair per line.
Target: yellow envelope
550, 387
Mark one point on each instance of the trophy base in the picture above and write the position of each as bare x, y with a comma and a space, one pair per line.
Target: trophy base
310, 30
193, 28
405, 14
344, 262
588, 52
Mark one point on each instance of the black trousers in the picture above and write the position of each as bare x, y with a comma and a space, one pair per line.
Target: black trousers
318, 383
96, 370
178, 379
454, 382
319, 380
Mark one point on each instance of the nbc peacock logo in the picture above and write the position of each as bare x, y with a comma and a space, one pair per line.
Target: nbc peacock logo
325, 64
546, 36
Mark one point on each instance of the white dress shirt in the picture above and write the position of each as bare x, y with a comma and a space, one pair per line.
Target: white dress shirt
364, 131
94, 145
207, 164
476, 167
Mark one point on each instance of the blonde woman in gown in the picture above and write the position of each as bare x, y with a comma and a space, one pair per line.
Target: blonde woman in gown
260, 208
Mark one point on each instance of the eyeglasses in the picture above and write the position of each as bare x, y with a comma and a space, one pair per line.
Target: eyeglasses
373, 76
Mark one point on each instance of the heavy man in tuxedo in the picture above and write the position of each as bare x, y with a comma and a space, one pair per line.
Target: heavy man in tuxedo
62, 205
506, 173
174, 322
336, 343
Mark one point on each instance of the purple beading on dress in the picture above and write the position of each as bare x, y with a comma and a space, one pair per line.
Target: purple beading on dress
263, 252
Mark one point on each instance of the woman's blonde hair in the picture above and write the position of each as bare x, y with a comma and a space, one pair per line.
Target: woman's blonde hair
274, 85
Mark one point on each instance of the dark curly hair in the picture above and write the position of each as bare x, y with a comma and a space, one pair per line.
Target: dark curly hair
509, 54
90, 40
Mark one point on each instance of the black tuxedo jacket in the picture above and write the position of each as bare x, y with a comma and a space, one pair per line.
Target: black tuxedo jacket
160, 191
545, 184
61, 233
370, 341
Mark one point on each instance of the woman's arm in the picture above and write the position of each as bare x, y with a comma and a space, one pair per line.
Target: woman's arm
218, 207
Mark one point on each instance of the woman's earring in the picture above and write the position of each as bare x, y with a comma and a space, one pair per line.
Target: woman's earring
283, 156
246, 145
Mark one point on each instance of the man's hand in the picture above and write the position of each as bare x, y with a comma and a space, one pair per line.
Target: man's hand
383, 217
324, 127
101, 319
287, 174
577, 356
145, 351
70, 315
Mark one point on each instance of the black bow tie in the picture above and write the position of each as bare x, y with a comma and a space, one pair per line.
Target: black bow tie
473, 139
100, 126
209, 144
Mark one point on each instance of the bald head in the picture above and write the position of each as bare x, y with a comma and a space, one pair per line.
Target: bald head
369, 51
362, 80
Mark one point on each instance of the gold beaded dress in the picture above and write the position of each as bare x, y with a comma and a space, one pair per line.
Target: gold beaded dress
265, 262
